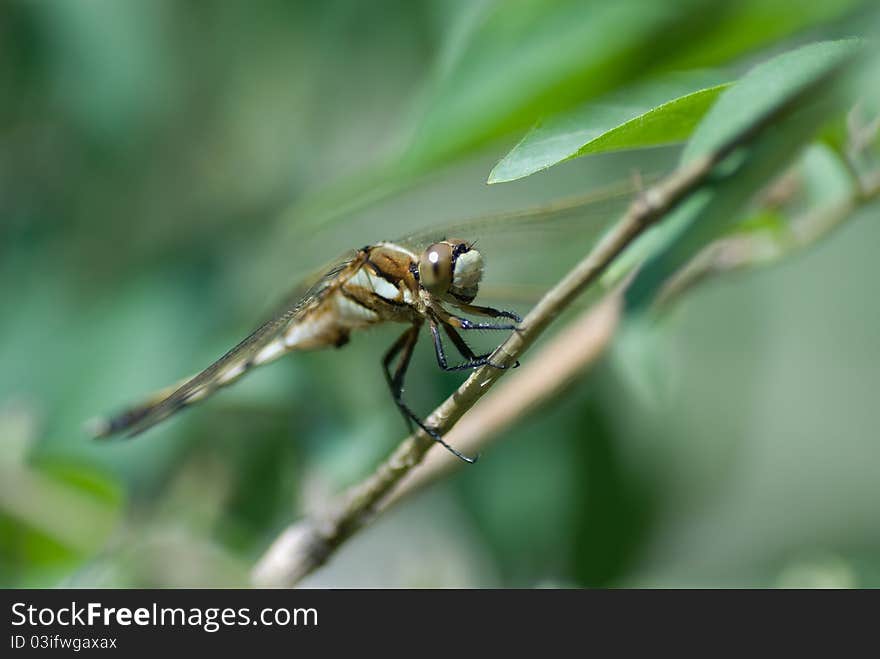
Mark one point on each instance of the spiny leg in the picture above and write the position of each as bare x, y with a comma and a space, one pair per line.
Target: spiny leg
472, 360
458, 322
405, 345
465, 324
395, 382
460, 344
489, 311
452, 322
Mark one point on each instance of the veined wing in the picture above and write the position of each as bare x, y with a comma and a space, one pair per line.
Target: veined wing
519, 247
227, 369
526, 251
577, 216
515, 245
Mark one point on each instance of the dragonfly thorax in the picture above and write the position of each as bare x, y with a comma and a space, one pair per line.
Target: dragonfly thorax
452, 270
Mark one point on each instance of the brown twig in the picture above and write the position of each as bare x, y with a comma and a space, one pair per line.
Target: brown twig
741, 252
572, 352
569, 355
307, 544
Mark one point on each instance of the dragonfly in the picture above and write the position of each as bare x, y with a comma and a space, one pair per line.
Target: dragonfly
422, 280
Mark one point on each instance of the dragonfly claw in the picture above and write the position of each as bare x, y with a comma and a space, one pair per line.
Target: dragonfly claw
502, 367
435, 435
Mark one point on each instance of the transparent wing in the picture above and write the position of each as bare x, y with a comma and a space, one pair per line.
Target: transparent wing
225, 370
527, 251
579, 216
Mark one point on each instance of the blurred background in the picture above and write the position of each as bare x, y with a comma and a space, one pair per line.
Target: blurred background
169, 170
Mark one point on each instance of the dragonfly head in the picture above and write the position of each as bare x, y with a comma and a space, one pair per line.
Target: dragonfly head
451, 269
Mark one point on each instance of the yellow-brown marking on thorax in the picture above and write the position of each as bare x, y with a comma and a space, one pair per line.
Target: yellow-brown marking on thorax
385, 283
377, 286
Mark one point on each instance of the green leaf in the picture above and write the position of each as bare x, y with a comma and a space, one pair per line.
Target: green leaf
765, 88
504, 65
642, 116
803, 86
532, 58
518, 61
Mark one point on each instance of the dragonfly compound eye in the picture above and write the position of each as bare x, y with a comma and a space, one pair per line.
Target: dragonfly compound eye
435, 268
466, 275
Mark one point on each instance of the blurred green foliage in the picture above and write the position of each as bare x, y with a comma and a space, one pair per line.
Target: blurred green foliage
169, 170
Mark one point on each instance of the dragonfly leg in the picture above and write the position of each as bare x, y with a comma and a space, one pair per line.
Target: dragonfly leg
472, 360
462, 346
406, 342
405, 345
465, 324
489, 311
